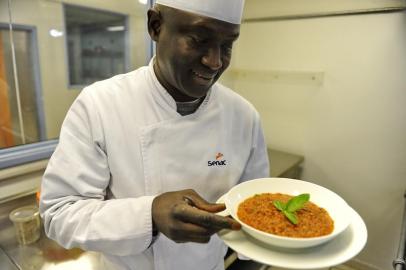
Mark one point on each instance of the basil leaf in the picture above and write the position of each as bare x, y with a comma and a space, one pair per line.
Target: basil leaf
279, 205
297, 202
291, 216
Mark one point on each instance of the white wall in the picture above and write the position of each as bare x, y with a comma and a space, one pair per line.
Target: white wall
352, 128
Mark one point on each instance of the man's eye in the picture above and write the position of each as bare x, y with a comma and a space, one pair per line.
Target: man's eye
197, 40
227, 48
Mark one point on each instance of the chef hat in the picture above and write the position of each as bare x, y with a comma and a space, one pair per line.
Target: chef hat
224, 10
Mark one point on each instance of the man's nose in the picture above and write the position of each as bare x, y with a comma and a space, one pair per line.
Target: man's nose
212, 58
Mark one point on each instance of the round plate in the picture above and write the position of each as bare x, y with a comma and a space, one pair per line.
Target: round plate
339, 250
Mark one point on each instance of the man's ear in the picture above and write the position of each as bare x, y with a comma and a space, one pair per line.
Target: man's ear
154, 23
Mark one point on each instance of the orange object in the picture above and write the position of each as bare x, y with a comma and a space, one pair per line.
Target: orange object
6, 137
219, 156
38, 196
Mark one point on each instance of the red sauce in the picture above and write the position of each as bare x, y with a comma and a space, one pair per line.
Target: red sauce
260, 213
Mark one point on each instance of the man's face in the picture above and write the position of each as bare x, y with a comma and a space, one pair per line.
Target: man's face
192, 52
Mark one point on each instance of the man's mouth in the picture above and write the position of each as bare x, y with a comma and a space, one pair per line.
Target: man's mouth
205, 77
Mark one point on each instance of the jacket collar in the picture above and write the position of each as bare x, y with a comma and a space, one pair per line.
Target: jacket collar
162, 96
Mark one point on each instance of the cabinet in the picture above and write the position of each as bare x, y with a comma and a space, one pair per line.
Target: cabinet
284, 164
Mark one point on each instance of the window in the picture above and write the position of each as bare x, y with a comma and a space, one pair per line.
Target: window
50, 50
21, 118
96, 44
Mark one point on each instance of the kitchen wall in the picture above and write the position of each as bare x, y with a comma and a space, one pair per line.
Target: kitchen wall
334, 90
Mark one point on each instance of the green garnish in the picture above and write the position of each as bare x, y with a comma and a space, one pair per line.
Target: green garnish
294, 204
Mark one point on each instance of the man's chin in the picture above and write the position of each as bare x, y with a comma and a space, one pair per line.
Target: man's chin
199, 94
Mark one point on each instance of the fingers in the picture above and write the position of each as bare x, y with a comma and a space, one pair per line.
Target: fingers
195, 233
184, 216
202, 217
195, 200
205, 219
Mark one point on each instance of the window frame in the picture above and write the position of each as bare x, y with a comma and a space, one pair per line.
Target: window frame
36, 74
22, 154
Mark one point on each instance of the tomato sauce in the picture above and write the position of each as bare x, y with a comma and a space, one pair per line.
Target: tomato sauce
259, 212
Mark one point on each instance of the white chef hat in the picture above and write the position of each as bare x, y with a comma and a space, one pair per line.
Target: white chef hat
224, 10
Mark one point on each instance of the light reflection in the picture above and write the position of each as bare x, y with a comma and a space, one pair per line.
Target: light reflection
88, 261
116, 28
55, 33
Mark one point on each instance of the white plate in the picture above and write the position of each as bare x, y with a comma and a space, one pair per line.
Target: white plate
339, 250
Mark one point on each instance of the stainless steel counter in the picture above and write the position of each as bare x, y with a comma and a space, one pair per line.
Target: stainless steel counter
5, 262
44, 254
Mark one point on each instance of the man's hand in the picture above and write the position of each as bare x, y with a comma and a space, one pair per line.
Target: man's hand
184, 216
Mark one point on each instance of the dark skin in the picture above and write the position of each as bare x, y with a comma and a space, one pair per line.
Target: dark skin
192, 52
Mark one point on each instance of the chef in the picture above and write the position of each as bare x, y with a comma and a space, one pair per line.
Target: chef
143, 156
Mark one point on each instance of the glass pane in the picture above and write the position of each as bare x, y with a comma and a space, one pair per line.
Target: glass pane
6, 135
16, 128
96, 44
60, 47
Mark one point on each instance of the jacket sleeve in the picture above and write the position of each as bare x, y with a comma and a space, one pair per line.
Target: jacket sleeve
258, 162
73, 191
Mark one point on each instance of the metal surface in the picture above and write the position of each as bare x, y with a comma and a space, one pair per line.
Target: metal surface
399, 263
283, 163
5, 262
44, 254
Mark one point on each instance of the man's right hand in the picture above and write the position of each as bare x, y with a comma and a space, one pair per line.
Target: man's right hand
184, 216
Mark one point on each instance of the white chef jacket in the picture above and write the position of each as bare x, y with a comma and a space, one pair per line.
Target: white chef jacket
122, 143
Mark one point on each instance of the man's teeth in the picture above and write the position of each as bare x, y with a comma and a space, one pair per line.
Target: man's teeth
201, 76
